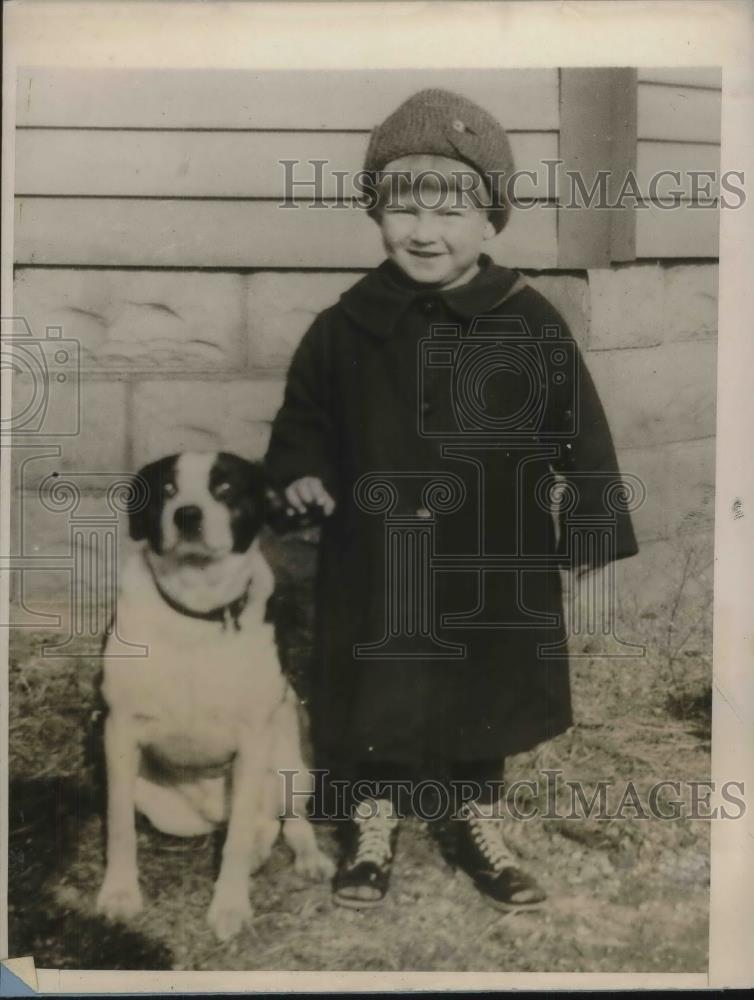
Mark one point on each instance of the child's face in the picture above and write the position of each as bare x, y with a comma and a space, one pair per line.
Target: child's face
432, 230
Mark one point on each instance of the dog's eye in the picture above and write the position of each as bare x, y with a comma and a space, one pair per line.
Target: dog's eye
169, 490
222, 490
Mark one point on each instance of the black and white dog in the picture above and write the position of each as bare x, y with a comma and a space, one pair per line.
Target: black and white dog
199, 730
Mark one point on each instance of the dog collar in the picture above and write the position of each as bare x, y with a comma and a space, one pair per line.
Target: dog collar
225, 613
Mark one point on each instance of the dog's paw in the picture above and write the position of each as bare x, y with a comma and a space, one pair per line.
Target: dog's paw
119, 900
314, 864
228, 916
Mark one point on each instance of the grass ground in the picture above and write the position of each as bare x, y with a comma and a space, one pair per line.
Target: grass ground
624, 895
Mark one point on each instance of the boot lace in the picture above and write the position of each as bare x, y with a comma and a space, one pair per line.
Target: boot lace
487, 838
374, 824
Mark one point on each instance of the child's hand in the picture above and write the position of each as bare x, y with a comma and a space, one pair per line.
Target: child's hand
305, 492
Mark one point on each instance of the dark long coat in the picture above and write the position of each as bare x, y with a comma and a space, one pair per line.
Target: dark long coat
438, 419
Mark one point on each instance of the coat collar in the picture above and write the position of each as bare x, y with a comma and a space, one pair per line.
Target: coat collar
379, 300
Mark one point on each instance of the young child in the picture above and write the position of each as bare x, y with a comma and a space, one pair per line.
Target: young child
440, 675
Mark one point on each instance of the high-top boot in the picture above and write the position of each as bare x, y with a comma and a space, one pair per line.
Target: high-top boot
364, 874
481, 852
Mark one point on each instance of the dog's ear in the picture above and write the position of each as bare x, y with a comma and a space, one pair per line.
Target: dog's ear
280, 515
246, 474
283, 518
139, 499
275, 507
146, 495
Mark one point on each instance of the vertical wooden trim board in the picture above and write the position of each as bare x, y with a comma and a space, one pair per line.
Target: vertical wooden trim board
597, 137
623, 94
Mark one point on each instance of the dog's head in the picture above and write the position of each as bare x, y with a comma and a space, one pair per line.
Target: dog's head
199, 506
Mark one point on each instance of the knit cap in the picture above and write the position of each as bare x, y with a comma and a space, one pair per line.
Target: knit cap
442, 123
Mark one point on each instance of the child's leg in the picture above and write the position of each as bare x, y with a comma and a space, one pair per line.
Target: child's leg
364, 873
481, 780
480, 849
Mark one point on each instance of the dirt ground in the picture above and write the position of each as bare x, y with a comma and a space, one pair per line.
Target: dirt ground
626, 894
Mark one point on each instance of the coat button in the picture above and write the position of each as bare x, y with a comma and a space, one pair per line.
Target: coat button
428, 306
423, 513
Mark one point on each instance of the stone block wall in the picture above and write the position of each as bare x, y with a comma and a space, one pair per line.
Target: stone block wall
173, 360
